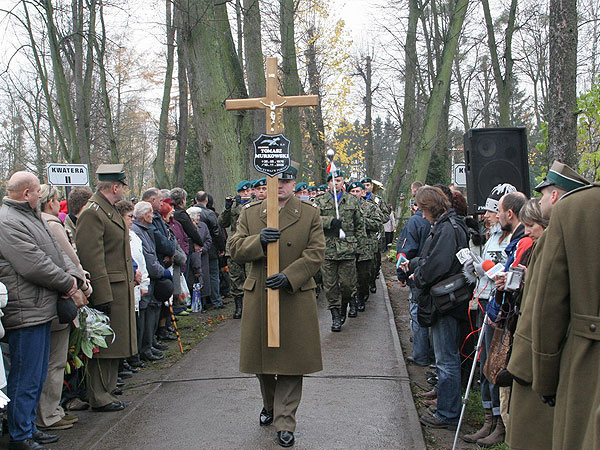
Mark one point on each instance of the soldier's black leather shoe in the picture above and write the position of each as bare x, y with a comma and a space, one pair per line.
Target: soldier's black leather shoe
285, 438
336, 322
266, 417
353, 311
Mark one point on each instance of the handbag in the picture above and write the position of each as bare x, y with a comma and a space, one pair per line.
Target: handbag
66, 310
497, 359
450, 293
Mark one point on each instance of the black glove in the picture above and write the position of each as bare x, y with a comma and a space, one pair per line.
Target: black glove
278, 281
550, 400
268, 235
402, 275
228, 202
238, 199
336, 224
103, 308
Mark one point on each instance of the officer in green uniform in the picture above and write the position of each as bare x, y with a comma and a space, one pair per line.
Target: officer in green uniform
386, 211
301, 191
301, 248
339, 267
229, 218
103, 247
367, 248
260, 187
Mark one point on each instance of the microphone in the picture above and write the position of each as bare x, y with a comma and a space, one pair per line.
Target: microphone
491, 270
400, 258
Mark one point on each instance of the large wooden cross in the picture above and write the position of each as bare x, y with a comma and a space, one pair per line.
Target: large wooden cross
272, 104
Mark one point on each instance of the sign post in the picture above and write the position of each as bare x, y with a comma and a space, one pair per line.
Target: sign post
67, 174
271, 159
459, 175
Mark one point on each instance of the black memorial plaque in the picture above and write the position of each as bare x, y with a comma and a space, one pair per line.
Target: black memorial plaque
271, 154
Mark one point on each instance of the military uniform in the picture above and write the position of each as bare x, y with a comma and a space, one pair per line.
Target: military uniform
237, 272
566, 320
531, 422
339, 267
367, 249
301, 251
386, 210
103, 248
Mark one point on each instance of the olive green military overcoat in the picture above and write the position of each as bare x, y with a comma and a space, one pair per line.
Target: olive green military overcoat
103, 249
301, 253
530, 420
566, 320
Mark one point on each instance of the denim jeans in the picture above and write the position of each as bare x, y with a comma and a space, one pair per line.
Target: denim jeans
446, 335
215, 283
29, 352
421, 346
490, 396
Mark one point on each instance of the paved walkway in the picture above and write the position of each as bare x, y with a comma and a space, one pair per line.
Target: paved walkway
361, 400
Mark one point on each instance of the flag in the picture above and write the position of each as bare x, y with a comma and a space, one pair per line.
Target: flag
331, 167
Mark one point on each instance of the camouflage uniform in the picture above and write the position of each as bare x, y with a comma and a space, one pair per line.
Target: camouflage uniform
237, 273
367, 248
385, 212
339, 267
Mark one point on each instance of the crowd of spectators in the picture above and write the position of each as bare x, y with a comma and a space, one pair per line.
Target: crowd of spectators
498, 303
47, 264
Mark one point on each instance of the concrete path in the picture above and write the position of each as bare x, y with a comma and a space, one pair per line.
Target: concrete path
361, 400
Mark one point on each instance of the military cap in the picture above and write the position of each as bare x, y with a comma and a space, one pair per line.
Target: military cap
301, 186
366, 180
111, 172
562, 176
291, 172
355, 184
323, 188
313, 188
260, 182
337, 173
243, 185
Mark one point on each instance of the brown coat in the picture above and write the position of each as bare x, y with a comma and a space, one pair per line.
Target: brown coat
530, 420
566, 320
301, 253
103, 248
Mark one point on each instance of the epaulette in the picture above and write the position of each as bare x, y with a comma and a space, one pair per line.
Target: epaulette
582, 188
248, 205
93, 205
376, 199
308, 202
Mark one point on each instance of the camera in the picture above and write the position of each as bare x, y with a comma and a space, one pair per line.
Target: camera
514, 279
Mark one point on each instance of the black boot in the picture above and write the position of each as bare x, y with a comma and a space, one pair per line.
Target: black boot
360, 302
343, 312
336, 319
353, 311
238, 307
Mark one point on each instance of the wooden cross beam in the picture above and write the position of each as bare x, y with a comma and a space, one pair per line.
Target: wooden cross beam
272, 103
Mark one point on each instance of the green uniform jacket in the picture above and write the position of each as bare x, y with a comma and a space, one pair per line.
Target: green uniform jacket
352, 224
103, 248
566, 320
301, 250
373, 221
530, 420
229, 218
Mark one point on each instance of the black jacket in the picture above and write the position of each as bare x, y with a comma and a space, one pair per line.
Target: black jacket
163, 237
190, 229
210, 219
438, 258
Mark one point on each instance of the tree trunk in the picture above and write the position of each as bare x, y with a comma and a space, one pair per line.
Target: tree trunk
369, 162
255, 71
291, 80
183, 130
101, 51
410, 80
562, 126
221, 148
240, 34
63, 94
435, 106
316, 127
159, 165
504, 83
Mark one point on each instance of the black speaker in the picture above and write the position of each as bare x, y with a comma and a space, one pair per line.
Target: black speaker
494, 156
